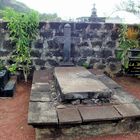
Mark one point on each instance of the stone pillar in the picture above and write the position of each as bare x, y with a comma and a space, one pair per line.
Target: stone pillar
67, 42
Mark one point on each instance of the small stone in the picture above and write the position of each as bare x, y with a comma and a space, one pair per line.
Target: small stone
54, 95
76, 102
52, 86
99, 65
55, 104
61, 106
87, 101
95, 101
21, 127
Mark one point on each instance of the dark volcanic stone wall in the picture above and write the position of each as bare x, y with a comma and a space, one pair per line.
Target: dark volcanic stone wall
92, 44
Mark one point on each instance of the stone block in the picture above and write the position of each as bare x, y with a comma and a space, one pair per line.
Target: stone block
104, 35
38, 45
99, 113
4, 53
42, 76
39, 86
53, 44
80, 26
99, 65
52, 62
95, 26
109, 26
8, 45
96, 43
111, 44
42, 113
106, 53
40, 96
40, 62
83, 44
54, 52
128, 110
35, 53
114, 35
111, 59
47, 34
86, 51
69, 116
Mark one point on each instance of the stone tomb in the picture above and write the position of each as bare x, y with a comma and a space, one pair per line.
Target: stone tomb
79, 83
62, 120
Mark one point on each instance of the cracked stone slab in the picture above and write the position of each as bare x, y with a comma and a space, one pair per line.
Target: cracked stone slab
42, 76
69, 116
78, 82
42, 113
40, 97
108, 82
128, 110
99, 113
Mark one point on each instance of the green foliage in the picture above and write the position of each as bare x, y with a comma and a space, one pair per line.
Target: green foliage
125, 45
23, 28
13, 68
86, 65
49, 17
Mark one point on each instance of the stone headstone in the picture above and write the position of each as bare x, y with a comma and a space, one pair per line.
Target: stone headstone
67, 42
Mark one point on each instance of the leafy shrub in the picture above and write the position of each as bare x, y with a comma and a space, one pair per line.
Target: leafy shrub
23, 28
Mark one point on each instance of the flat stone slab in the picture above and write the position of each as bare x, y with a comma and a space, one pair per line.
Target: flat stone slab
42, 113
128, 110
108, 82
123, 97
99, 113
40, 97
40, 87
69, 116
41, 76
78, 80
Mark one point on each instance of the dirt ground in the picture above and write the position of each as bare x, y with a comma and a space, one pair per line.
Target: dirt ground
13, 113
13, 116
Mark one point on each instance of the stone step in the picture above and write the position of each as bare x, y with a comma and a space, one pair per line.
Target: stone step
42, 113
42, 76
9, 89
79, 83
128, 110
69, 116
99, 113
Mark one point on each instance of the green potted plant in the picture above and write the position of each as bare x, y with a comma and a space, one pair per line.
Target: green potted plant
23, 28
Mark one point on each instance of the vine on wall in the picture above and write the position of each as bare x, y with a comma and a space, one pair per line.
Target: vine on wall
126, 42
